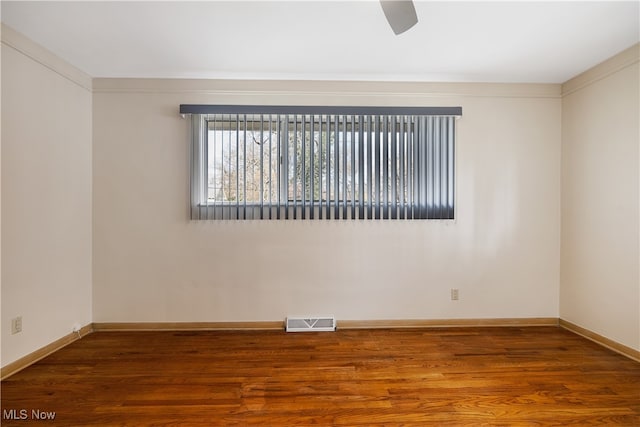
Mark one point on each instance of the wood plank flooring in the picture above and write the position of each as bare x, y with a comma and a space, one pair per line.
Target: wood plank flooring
542, 376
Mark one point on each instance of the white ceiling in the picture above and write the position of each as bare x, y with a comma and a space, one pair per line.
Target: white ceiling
545, 42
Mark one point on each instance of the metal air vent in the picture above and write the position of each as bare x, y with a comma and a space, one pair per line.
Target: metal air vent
310, 324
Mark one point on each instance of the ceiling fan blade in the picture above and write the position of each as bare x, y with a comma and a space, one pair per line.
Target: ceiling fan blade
401, 14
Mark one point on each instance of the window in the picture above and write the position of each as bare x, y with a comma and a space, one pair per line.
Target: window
259, 162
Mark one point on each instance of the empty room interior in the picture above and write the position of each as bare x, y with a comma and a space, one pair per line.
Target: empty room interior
320, 213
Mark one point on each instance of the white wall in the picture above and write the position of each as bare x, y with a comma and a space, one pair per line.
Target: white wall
151, 263
600, 279
46, 196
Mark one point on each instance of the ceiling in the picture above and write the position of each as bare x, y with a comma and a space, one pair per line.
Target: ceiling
517, 41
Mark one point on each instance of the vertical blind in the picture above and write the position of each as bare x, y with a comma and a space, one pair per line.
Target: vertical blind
250, 162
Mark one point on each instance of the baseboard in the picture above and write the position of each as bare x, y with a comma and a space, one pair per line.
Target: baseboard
186, 326
599, 339
445, 323
341, 324
43, 352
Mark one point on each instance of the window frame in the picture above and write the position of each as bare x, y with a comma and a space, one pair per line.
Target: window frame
286, 208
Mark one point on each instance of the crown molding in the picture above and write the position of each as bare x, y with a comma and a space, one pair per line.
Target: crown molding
340, 89
612, 65
15, 40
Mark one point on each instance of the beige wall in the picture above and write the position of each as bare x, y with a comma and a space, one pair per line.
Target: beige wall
46, 196
600, 279
151, 263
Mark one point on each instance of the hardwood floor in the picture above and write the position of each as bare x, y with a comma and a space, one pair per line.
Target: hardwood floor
445, 377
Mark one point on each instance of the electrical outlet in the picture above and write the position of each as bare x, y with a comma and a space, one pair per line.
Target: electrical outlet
16, 325
455, 294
